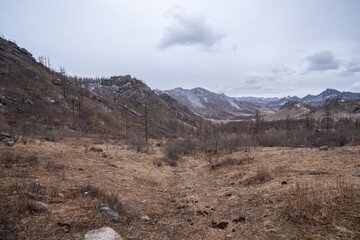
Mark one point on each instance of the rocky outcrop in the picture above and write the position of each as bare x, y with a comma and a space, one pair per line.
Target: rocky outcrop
104, 233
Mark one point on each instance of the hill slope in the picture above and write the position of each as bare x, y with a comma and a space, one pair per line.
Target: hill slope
35, 99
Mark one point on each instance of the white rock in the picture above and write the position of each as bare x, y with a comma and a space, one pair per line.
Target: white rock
145, 218
104, 233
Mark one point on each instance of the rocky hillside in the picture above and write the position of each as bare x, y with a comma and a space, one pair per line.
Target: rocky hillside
37, 100
212, 105
221, 107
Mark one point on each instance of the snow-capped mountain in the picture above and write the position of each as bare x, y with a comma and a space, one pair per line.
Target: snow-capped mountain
219, 106
212, 105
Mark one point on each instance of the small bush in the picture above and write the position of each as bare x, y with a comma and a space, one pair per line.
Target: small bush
54, 166
137, 143
111, 199
36, 188
32, 160
262, 175
231, 161
178, 147
158, 163
8, 158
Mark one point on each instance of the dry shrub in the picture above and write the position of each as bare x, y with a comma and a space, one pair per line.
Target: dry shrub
8, 158
7, 227
32, 160
231, 161
326, 208
137, 143
52, 166
170, 162
36, 188
110, 199
262, 175
158, 163
175, 148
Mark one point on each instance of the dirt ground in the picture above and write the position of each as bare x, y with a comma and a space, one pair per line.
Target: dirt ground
262, 193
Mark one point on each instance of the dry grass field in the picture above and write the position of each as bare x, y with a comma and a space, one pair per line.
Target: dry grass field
262, 193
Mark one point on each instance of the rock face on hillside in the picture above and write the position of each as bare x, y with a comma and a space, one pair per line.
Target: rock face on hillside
212, 105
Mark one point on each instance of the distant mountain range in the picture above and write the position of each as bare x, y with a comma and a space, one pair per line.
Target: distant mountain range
221, 107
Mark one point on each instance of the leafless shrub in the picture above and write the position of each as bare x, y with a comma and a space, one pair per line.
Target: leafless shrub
52, 166
36, 188
32, 160
111, 199
231, 161
170, 162
137, 143
262, 175
91, 190
158, 163
175, 148
7, 229
8, 158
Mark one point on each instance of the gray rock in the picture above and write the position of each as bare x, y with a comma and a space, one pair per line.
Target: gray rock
95, 149
112, 164
38, 206
10, 143
56, 81
104, 233
324, 148
105, 155
108, 213
28, 101
145, 218
4, 135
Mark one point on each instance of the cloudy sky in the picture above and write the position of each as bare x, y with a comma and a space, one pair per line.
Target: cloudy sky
236, 47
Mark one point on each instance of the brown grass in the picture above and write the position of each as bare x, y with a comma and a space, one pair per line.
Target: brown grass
318, 200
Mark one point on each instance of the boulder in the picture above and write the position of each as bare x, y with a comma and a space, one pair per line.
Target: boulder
112, 164
108, 213
95, 149
324, 148
28, 101
104, 233
38, 206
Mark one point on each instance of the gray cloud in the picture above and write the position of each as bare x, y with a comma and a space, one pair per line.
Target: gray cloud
350, 68
189, 30
322, 61
281, 70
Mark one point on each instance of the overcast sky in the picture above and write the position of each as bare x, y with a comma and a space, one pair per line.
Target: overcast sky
236, 47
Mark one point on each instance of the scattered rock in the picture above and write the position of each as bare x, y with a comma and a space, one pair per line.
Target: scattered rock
105, 155
202, 213
61, 195
104, 233
38, 206
112, 164
10, 143
324, 148
108, 213
284, 182
28, 101
220, 225
4, 135
95, 149
239, 219
80, 169
56, 81
145, 218
212, 151
228, 195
